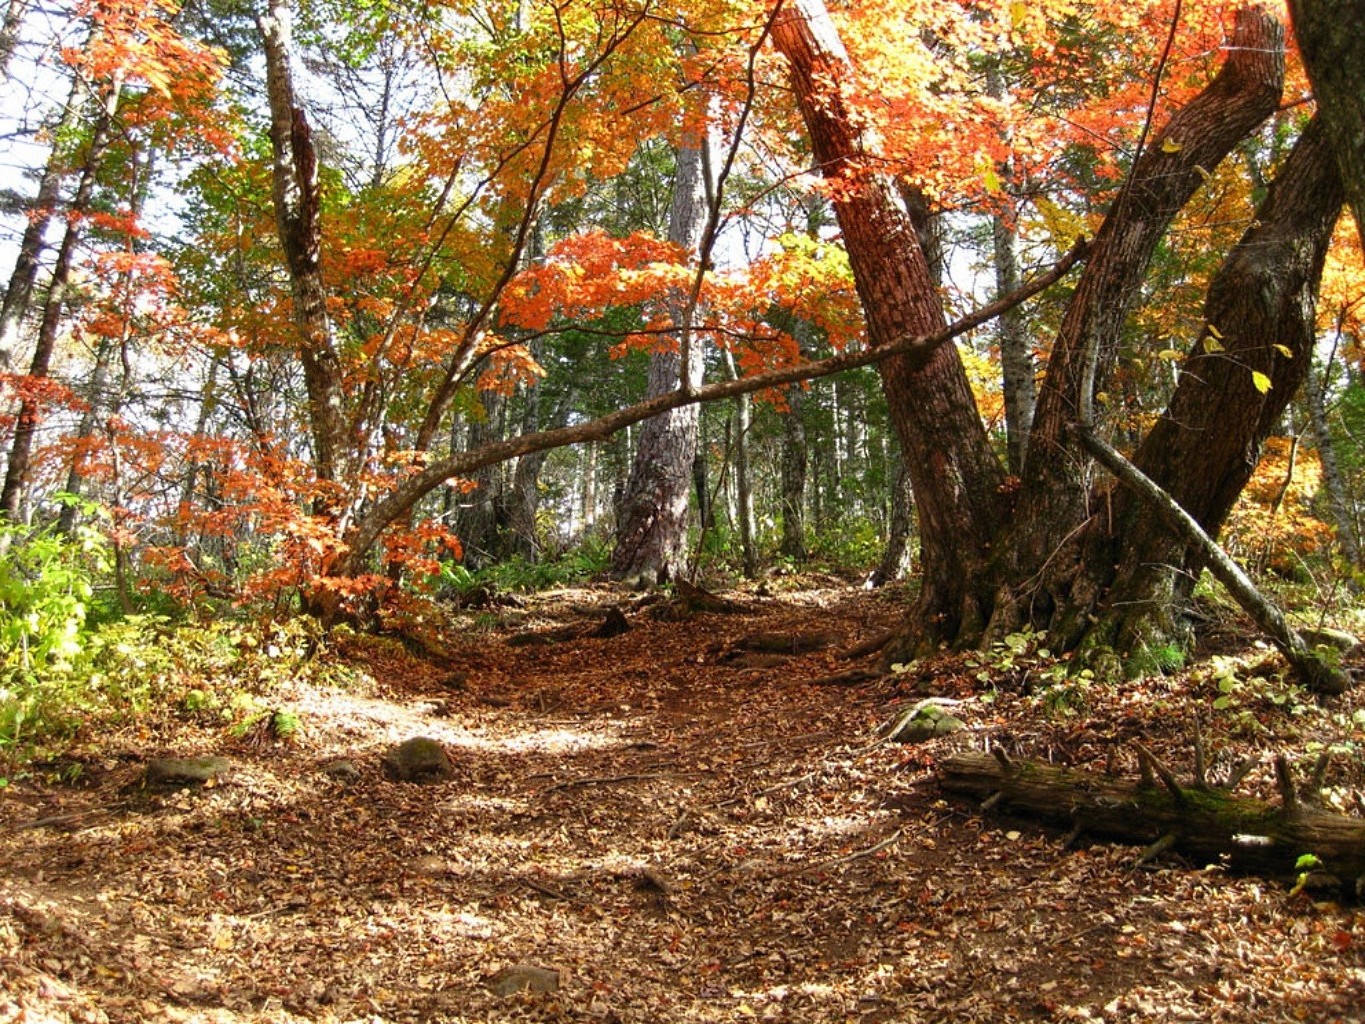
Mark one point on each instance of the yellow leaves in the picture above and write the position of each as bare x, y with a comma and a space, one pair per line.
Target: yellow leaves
1260, 381
1171, 146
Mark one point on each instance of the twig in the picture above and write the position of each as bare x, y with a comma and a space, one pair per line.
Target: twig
1285, 781
607, 780
837, 861
1156, 849
57, 819
1167, 778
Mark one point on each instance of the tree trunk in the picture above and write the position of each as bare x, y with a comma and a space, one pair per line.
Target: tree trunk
895, 561
26, 424
297, 211
482, 515
955, 474
1016, 353
651, 537
793, 544
744, 489
1204, 821
1203, 449
1314, 386
1333, 47
1055, 500
19, 291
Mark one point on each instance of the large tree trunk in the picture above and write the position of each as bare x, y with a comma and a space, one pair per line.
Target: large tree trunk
1055, 504
651, 537
1332, 43
955, 474
1203, 449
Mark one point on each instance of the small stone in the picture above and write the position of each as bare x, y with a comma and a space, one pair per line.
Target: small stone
343, 770
420, 760
524, 978
924, 721
184, 771
431, 866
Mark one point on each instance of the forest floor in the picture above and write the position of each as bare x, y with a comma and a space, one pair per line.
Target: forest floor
680, 834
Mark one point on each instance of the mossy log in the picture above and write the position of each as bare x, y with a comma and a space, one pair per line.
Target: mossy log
1208, 823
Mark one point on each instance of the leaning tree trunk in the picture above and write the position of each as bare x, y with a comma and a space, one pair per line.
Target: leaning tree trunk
1260, 318
651, 537
955, 474
1333, 49
19, 291
1040, 578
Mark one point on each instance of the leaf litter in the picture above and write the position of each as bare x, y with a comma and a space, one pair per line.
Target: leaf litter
656, 831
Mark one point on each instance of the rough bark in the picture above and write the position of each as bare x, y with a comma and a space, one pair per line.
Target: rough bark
954, 472
297, 209
1332, 43
651, 538
1194, 818
1203, 449
1054, 502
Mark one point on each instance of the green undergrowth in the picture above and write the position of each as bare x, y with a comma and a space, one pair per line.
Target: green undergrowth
73, 661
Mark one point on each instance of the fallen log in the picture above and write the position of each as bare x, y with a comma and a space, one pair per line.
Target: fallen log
1208, 823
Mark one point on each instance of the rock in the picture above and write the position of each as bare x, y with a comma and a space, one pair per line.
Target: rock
431, 866
184, 771
923, 721
524, 978
420, 760
1326, 636
343, 770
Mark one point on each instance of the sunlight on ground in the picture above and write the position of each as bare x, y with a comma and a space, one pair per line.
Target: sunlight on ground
342, 718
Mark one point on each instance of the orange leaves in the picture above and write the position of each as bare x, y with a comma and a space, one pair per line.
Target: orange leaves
591, 272
132, 42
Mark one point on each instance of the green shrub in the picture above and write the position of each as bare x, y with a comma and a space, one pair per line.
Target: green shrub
47, 594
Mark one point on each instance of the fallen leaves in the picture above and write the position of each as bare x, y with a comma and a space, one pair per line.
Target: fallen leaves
681, 840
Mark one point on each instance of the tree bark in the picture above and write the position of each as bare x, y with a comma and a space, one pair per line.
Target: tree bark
1315, 386
895, 561
1333, 47
26, 424
954, 472
1200, 820
19, 291
793, 510
651, 537
297, 219
1054, 502
1202, 451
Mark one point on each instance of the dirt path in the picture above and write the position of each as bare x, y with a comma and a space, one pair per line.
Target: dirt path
682, 839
